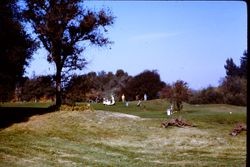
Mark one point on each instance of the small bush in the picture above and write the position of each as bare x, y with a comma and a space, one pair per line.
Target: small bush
82, 107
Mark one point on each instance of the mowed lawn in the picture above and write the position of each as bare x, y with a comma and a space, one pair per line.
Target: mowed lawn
108, 136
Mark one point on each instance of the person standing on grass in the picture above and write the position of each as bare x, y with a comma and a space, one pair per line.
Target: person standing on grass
123, 98
145, 97
112, 99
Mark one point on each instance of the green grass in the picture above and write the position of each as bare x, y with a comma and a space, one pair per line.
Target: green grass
148, 109
219, 113
106, 138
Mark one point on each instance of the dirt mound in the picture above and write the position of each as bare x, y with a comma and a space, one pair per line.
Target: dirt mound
238, 128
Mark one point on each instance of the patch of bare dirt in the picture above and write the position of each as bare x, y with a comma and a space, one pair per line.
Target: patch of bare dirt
116, 115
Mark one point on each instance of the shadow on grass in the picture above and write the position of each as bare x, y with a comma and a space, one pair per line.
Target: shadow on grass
11, 115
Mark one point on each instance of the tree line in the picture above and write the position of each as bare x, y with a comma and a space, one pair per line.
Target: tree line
94, 86
232, 88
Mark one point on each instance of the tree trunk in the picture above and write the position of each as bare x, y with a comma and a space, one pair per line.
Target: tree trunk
58, 87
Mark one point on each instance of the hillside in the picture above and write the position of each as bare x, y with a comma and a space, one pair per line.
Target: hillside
105, 138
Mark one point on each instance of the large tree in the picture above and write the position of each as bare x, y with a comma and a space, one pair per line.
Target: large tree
16, 48
243, 64
147, 82
234, 85
234, 90
180, 93
65, 27
231, 68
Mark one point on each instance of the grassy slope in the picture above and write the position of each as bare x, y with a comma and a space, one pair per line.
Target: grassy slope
97, 138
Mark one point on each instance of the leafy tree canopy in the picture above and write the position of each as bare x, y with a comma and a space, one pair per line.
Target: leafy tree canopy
147, 82
64, 27
16, 48
232, 70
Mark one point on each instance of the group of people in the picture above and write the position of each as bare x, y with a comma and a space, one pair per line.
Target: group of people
112, 101
109, 102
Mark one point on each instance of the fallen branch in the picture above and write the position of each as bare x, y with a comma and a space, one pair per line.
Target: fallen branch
238, 128
175, 122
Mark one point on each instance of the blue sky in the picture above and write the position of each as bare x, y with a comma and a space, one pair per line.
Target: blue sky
182, 40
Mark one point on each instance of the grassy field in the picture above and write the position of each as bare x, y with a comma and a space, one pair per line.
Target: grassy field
148, 109
108, 136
